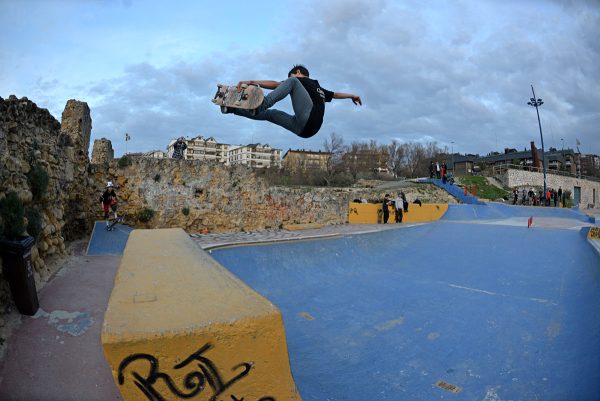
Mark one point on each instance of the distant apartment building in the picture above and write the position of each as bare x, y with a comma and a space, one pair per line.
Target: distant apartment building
200, 148
305, 160
561, 160
254, 155
590, 164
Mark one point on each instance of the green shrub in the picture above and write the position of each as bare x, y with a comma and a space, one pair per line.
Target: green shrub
12, 213
484, 189
185, 211
124, 161
34, 222
568, 200
38, 181
145, 215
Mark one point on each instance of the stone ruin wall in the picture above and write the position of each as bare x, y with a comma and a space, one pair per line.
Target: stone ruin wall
102, 152
30, 136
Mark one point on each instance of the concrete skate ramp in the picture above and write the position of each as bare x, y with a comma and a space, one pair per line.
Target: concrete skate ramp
489, 311
493, 211
108, 243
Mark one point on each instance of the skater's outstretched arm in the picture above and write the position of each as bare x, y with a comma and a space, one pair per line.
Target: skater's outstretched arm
263, 84
355, 99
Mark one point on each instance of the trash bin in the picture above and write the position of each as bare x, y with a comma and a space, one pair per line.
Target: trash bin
18, 270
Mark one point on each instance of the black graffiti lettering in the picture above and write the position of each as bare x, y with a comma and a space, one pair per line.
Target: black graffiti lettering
194, 382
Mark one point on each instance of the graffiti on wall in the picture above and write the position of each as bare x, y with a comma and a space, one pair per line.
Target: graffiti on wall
203, 378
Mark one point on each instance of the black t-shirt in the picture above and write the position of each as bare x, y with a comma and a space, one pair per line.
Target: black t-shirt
318, 96
107, 197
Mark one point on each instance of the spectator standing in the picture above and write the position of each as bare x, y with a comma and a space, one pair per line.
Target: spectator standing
399, 205
531, 194
560, 199
385, 208
438, 170
444, 170
431, 169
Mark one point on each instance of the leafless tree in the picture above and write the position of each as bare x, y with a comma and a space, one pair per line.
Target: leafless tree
335, 146
366, 158
414, 156
396, 157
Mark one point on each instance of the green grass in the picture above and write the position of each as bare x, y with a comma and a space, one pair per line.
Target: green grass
483, 189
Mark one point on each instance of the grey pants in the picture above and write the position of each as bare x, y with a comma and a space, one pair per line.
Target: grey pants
301, 103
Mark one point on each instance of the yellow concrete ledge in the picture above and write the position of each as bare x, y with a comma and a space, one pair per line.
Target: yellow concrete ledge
368, 213
180, 326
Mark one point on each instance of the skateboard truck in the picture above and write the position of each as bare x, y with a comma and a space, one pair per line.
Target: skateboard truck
219, 94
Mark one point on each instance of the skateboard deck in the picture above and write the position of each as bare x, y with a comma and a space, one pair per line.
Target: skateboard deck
113, 223
249, 97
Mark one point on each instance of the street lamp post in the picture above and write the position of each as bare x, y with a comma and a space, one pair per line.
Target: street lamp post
536, 103
563, 153
452, 144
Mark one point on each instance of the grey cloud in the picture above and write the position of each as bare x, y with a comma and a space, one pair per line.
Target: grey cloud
419, 81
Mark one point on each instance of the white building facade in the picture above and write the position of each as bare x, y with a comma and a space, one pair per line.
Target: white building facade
253, 155
200, 148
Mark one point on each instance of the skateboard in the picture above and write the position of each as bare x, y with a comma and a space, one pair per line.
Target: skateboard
113, 223
249, 97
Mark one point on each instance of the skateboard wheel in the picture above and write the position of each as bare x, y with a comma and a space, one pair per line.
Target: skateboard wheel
244, 86
215, 101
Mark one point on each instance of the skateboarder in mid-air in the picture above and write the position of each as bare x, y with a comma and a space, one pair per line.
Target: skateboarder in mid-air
308, 102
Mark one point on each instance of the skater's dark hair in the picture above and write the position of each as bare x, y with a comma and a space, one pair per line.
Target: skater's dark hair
300, 67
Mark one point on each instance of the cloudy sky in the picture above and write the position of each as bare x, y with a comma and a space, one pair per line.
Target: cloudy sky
436, 71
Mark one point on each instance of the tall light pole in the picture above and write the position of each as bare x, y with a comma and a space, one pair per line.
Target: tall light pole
452, 144
536, 103
563, 153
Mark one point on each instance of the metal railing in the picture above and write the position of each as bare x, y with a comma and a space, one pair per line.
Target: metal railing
499, 169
